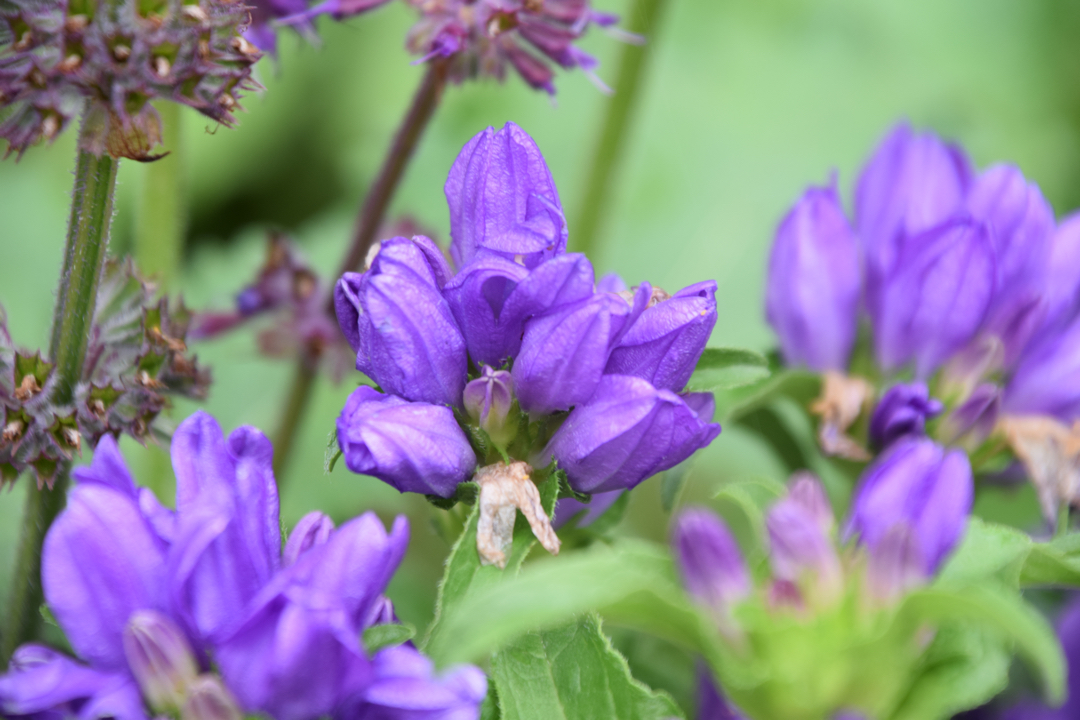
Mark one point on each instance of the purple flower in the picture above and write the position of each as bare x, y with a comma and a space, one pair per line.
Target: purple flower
666, 341
913, 182
296, 654
1062, 291
813, 285
228, 536
1047, 377
568, 508
902, 411
415, 447
503, 200
709, 560
936, 296
921, 488
800, 547
488, 400
627, 432
394, 316
312, 530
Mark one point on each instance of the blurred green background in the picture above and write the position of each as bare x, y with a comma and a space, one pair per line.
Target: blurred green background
744, 103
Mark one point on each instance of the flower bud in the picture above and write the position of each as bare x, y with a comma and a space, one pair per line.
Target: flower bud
895, 565
413, 446
976, 417
160, 659
477, 297
208, 699
919, 485
666, 341
627, 432
813, 284
913, 182
936, 297
806, 491
313, 530
709, 560
902, 411
503, 200
1047, 378
564, 352
405, 337
488, 399
801, 550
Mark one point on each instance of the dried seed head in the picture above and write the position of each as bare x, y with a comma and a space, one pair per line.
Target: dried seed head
72, 437
14, 430
70, 63
196, 13
161, 66
121, 52
27, 389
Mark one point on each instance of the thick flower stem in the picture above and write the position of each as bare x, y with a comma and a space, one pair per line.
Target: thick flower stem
643, 20
84, 257
371, 217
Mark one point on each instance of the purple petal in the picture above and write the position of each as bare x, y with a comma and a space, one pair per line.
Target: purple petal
406, 685
477, 297
709, 559
313, 530
567, 508
1047, 378
41, 679
902, 411
107, 468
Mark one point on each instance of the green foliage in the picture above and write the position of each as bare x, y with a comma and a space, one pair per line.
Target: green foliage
728, 368
572, 672
387, 635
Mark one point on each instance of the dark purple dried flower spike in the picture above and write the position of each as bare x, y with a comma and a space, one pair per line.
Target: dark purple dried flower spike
118, 55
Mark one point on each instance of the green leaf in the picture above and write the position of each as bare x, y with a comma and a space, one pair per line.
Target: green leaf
798, 385
465, 575
1000, 611
572, 672
332, 454
672, 484
1053, 563
987, 550
378, 637
963, 668
727, 368
750, 498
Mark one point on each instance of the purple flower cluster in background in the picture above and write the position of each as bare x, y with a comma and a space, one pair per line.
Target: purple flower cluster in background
520, 343
148, 597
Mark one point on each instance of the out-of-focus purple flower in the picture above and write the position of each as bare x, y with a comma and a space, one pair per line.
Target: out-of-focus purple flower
160, 659
711, 703
405, 337
406, 686
806, 491
611, 282
666, 341
920, 486
480, 37
913, 182
902, 412
297, 653
415, 447
709, 559
228, 541
44, 683
1047, 378
312, 530
567, 508
1061, 294
627, 432
503, 200
812, 293
977, 415
801, 549
936, 296
488, 400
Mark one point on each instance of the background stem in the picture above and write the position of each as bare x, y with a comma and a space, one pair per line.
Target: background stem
371, 217
643, 19
84, 258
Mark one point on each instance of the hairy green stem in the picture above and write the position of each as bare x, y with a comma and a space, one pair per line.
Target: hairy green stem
643, 19
376, 202
84, 258
160, 225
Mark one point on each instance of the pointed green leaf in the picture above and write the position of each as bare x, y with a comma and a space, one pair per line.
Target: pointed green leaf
572, 672
1053, 563
727, 368
987, 550
378, 637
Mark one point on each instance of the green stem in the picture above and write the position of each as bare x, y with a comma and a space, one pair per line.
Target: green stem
159, 229
1062, 528
84, 258
643, 20
376, 202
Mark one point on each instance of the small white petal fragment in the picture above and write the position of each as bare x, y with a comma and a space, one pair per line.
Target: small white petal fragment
1050, 452
842, 401
504, 489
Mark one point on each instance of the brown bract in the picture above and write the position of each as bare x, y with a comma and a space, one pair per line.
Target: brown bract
841, 402
505, 489
1050, 452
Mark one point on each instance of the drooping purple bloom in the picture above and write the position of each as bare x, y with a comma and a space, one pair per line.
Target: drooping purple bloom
297, 652
564, 353
627, 432
666, 341
936, 296
812, 293
922, 487
503, 200
415, 447
913, 182
709, 559
902, 412
394, 316
1047, 377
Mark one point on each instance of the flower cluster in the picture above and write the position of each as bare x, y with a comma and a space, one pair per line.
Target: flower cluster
151, 599
909, 513
135, 360
520, 354
969, 290
56, 56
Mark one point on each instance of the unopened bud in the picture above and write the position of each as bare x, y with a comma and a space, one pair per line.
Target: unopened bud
160, 659
208, 699
314, 529
50, 126
243, 47
72, 437
488, 399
